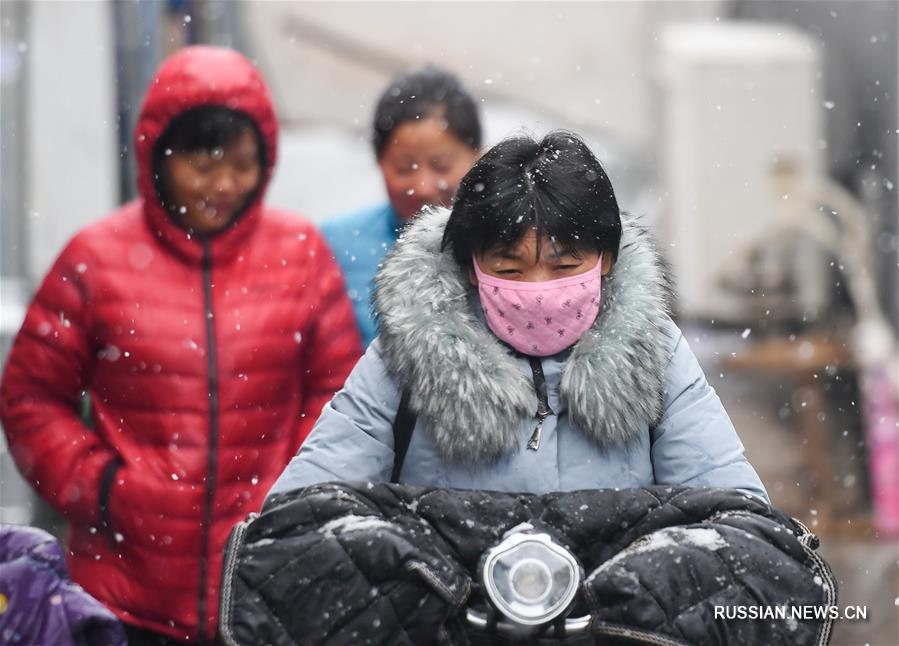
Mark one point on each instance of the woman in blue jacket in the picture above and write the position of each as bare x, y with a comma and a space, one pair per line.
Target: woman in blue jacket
529, 330
426, 135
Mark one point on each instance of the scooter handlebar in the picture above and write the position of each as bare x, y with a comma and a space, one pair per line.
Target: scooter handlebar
573, 625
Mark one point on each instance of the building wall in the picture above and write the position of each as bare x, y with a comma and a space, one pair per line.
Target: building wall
72, 170
578, 64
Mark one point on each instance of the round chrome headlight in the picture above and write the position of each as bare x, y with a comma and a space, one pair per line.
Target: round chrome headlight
529, 577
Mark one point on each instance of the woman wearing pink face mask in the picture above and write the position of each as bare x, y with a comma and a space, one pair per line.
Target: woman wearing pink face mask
527, 334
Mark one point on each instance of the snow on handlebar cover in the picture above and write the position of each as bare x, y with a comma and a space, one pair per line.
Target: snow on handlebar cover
341, 563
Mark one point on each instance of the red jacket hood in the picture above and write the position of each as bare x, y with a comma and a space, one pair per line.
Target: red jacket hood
193, 77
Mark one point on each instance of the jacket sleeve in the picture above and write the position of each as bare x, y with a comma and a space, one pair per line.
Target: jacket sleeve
695, 443
40, 395
334, 346
358, 274
353, 438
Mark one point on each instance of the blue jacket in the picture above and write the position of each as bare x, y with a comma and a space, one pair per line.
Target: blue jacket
631, 405
360, 240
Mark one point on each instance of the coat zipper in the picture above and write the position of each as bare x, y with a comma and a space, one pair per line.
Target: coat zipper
212, 389
543, 408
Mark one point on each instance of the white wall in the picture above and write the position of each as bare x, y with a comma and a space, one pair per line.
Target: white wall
71, 170
543, 65
583, 64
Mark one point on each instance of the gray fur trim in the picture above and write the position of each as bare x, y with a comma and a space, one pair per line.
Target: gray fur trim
613, 379
466, 386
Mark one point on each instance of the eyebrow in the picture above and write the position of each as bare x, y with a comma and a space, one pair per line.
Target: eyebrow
510, 255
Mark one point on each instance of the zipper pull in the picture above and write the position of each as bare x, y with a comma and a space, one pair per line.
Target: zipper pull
543, 408
534, 442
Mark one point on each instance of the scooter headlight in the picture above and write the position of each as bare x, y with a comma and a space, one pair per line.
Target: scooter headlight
529, 577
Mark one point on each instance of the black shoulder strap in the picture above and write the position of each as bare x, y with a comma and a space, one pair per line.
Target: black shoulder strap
402, 435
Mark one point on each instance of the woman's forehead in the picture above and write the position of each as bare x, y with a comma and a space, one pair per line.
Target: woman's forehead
528, 246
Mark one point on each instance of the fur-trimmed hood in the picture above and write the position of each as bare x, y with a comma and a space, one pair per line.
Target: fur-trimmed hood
467, 386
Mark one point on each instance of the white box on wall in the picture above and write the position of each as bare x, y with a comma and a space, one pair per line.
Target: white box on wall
736, 98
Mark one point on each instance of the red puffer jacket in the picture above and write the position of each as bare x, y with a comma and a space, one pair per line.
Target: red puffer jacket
206, 362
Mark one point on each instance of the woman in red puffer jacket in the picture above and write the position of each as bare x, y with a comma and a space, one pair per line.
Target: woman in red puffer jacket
207, 331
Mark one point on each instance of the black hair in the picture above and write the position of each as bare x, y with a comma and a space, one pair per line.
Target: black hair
555, 186
205, 128
202, 128
423, 93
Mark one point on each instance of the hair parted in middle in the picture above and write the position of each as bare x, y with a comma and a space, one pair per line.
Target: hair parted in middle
422, 93
555, 187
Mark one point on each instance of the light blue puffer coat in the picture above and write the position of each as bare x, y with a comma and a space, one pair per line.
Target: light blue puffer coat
631, 404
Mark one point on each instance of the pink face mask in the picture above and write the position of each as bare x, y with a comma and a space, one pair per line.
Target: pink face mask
540, 318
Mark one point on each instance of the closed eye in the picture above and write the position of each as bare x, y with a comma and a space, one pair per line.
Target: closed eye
567, 267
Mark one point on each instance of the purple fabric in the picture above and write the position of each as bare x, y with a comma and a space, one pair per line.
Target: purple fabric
40, 605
